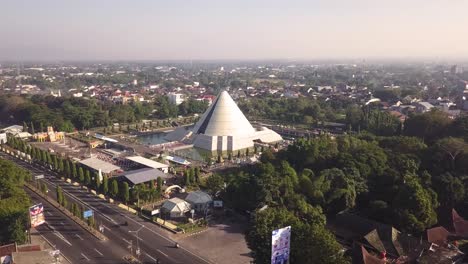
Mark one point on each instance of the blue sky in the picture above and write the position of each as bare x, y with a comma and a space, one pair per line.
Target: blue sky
241, 29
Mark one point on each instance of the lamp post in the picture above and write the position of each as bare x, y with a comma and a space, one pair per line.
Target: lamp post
137, 251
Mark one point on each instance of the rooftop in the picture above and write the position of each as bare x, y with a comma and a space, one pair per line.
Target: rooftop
147, 162
144, 175
98, 164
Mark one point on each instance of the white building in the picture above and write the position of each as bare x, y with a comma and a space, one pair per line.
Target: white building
223, 127
175, 207
176, 98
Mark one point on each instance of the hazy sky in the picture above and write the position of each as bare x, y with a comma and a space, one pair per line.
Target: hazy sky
236, 29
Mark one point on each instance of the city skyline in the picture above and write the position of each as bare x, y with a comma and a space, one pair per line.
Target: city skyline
239, 30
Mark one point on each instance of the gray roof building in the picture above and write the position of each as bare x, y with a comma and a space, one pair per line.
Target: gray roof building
144, 175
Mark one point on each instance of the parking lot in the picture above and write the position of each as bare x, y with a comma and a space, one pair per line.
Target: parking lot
213, 242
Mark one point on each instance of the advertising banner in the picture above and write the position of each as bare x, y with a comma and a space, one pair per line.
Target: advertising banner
36, 213
280, 241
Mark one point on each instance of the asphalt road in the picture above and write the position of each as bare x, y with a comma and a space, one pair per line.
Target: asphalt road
153, 242
78, 245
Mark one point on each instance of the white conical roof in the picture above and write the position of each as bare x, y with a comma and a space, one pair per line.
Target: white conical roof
223, 118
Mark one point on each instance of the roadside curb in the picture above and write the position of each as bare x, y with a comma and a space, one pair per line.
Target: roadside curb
193, 234
61, 209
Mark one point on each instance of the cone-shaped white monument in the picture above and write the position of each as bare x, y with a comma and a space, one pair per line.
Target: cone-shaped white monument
223, 127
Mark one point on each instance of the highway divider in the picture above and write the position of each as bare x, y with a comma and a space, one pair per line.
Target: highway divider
128, 208
77, 220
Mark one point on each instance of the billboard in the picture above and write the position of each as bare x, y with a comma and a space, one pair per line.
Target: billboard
280, 241
87, 214
36, 214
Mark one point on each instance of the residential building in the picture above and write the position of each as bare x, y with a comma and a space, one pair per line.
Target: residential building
176, 98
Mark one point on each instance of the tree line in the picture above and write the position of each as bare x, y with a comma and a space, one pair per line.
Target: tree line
66, 113
411, 181
14, 203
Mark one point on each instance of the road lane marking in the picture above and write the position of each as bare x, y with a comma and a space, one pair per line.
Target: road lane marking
139, 238
62, 237
62, 223
48, 213
79, 237
151, 257
105, 227
162, 253
126, 240
98, 252
85, 257
108, 218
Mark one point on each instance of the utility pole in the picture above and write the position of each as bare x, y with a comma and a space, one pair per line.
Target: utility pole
137, 251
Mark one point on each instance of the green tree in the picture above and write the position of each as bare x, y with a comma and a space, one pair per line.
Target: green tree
105, 185
49, 158
97, 182
32, 128
44, 188
114, 190
55, 162
60, 166
81, 175
428, 126
159, 182
450, 190
74, 170
414, 206
59, 194
68, 169
215, 183
187, 178
125, 192
309, 243
91, 222
87, 178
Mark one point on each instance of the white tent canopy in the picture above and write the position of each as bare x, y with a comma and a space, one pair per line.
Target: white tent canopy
149, 163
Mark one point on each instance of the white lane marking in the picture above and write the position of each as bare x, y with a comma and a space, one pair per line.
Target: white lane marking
162, 253
78, 236
62, 223
85, 257
52, 245
62, 237
108, 218
139, 238
126, 240
98, 252
48, 213
151, 257
105, 227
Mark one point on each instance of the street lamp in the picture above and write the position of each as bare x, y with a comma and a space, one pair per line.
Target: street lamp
137, 251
